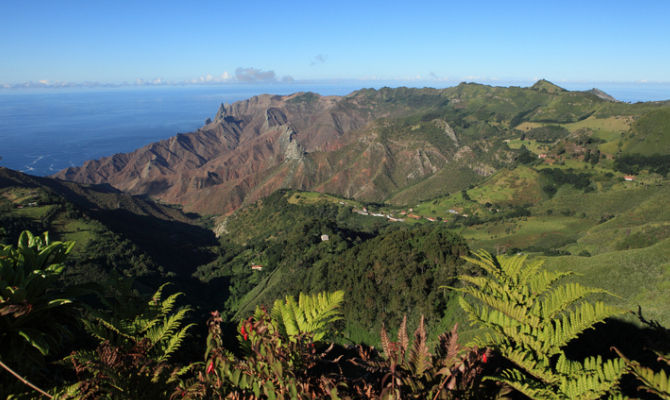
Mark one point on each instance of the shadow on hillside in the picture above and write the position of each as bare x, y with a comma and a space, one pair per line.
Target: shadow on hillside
177, 246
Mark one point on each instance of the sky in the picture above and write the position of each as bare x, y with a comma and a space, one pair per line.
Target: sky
59, 42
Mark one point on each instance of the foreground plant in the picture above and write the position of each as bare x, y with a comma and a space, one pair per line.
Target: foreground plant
37, 313
132, 356
410, 371
655, 382
279, 354
530, 319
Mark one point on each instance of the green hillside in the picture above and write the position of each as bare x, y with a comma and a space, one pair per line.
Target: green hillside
650, 134
367, 256
113, 231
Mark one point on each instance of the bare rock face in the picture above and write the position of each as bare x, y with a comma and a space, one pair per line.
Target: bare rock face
303, 141
289, 146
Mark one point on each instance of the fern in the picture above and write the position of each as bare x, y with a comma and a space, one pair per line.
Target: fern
309, 315
530, 318
419, 357
412, 372
133, 353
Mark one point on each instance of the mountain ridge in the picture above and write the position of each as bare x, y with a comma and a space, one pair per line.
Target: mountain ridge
370, 145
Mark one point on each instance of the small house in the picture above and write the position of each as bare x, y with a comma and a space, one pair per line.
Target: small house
324, 238
629, 178
257, 267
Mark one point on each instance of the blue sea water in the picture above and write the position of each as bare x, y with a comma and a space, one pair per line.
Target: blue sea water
43, 131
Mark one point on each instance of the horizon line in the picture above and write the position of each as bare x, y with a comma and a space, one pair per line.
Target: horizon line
159, 82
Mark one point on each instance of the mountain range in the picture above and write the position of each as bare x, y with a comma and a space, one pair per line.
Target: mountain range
397, 145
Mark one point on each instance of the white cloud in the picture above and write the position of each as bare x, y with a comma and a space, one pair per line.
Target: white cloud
254, 75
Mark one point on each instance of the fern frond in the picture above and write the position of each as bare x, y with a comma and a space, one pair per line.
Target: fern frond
530, 271
167, 305
487, 262
179, 372
156, 297
530, 320
528, 362
310, 314
403, 339
596, 379
571, 324
174, 342
526, 385
386, 342
654, 382
448, 347
513, 309
419, 356
489, 317
562, 297
543, 280
169, 325
110, 327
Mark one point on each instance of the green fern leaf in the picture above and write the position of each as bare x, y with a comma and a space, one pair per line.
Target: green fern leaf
310, 315
529, 320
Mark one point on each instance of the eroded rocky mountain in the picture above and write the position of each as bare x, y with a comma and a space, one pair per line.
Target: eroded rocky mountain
399, 145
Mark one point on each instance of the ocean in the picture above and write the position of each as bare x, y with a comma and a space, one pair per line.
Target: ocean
45, 130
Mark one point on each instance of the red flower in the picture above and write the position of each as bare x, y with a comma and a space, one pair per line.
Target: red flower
243, 332
210, 367
484, 358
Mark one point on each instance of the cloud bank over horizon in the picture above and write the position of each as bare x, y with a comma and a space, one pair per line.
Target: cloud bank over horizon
241, 75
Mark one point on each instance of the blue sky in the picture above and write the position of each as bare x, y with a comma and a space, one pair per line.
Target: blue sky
176, 41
